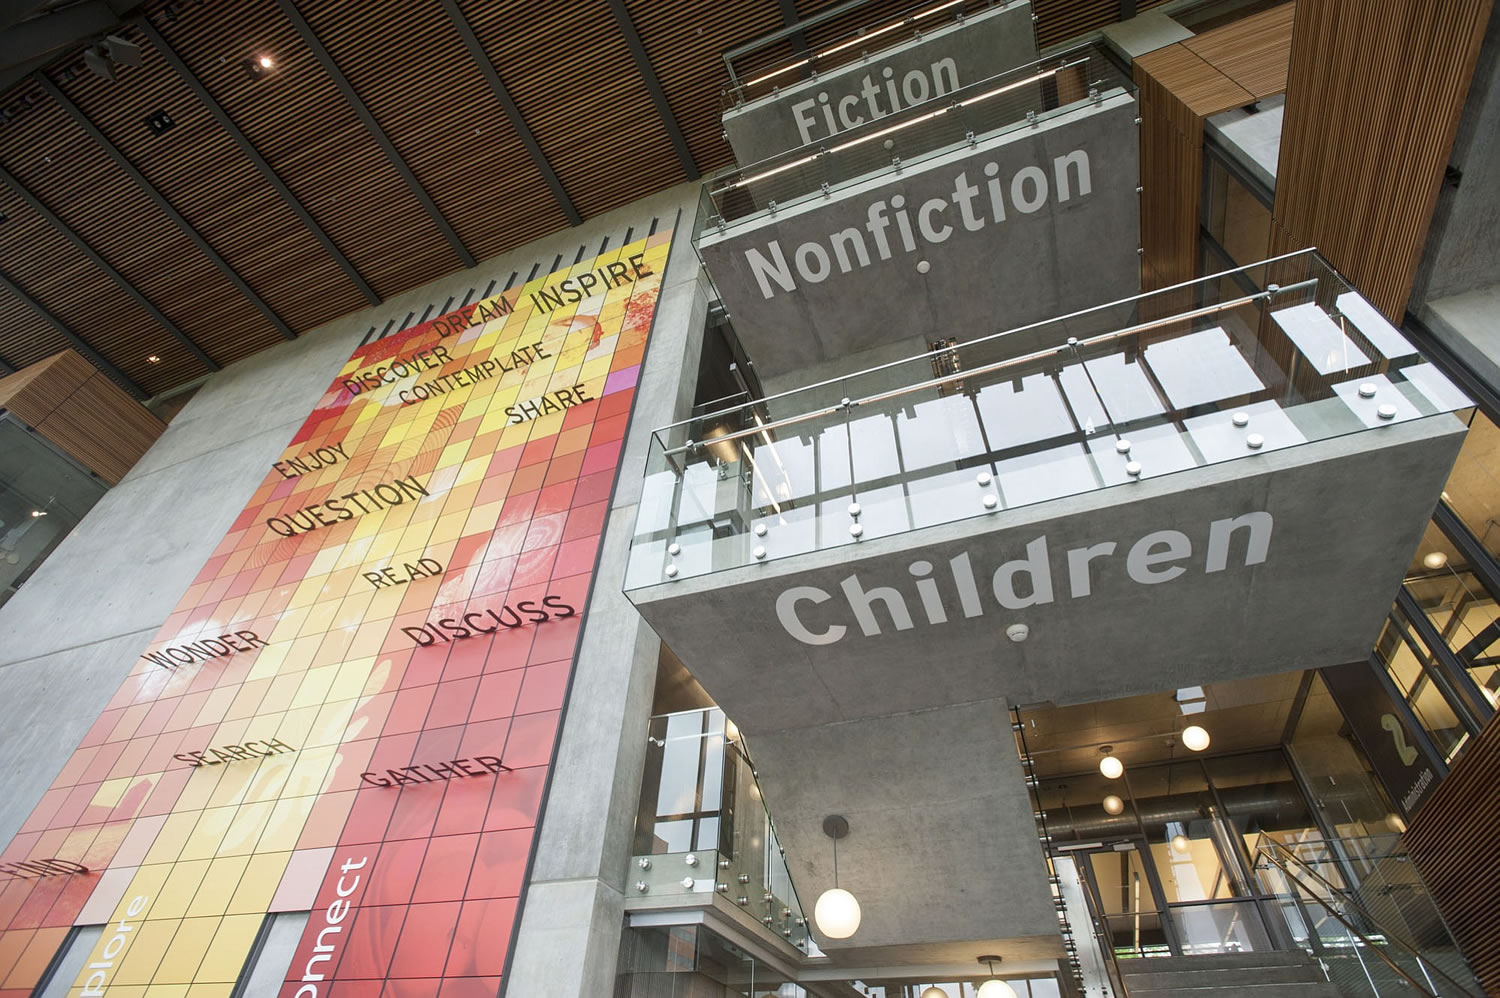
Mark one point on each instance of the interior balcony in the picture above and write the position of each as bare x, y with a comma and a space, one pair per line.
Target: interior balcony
1222, 480
1015, 195
782, 95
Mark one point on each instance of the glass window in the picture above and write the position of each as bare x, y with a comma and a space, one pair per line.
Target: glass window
1409, 661
1235, 217
1260, 797
1459, 607
1474, 486
1343, 786
43, 495
1177, 812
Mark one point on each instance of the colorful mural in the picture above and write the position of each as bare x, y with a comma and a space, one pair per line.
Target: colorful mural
353, 709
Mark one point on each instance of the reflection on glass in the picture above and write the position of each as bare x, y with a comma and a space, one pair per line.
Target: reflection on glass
43, 495
1459, 608
1410, 663
1236, 218
1473, 489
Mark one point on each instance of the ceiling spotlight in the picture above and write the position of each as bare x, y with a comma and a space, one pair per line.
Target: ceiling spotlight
1435, 560
121, 51
1113, 804
253, 68
1109, 765
1195, 738
994, 987
935, 992
1180, 842
837, 911
265, 62
98, 63
153, 359
39, 512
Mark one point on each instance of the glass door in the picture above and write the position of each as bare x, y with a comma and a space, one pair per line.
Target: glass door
1126, 899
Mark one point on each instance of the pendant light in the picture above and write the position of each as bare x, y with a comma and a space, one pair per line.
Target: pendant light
994, 987
1111, 767
1113, 804
935, 992
837, 911
1195, 738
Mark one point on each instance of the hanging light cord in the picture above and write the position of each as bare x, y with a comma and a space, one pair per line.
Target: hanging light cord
835, 862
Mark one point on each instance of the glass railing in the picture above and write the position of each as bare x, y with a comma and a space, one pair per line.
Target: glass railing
1358, 906
703, 828
762, 67
1015, 100
1228, 368
1231, 926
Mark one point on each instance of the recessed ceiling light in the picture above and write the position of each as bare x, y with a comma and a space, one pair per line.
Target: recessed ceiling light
1435, 560
153, 359
39, 512
265, 62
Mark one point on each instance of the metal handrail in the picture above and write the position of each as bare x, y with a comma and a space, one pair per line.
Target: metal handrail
999, 365
1346, 898
927, 354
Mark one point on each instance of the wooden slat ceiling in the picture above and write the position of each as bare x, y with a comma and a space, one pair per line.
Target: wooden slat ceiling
569, 70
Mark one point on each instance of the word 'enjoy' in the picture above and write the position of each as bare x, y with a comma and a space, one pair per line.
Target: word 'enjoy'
322, 457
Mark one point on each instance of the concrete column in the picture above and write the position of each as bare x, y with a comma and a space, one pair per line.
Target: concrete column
574, 907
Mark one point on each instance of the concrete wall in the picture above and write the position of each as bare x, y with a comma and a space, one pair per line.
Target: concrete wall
990, 42
986, 273
73, 631
570, 930
1347, 514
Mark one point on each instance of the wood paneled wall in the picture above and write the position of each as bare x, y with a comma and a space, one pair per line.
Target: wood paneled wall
1374, 95
82, 413
1455, 842
1180, 85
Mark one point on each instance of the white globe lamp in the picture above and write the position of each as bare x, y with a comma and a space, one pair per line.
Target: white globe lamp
1195, 738
1111, 767
935, 992
837, 913
1180, 842
1113, 804
994, 987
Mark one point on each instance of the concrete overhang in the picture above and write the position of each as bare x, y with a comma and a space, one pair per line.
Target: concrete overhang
874, 83
1017, 225
1286, 560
